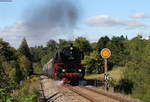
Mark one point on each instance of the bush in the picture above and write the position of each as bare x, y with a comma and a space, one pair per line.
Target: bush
5, 97
124, 86
28, 91
92, 64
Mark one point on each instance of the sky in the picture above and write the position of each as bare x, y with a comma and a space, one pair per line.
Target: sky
41, 20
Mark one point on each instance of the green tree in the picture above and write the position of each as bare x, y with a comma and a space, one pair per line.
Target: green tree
63, 43
38, 52
3, 77
102, 42
94, 46
52, 45
135, 48
92, 64
6, 51
25, 51
138, 70
37, 67
25, 66
83, 44
119, 51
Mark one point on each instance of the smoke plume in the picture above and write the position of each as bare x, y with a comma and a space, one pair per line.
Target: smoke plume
52, 17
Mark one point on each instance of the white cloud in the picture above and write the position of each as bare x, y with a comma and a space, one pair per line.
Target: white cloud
134, 24
103, 20
108, 21
140, 15
146, 35
15, 33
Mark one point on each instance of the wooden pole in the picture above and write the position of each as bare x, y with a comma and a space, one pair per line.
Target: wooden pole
105, 59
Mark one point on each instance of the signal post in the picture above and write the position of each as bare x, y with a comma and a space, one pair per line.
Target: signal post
105, 53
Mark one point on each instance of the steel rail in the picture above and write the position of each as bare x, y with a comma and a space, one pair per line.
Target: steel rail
81, 94
90, 98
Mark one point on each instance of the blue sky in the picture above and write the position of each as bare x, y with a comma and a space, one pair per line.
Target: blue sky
98, 18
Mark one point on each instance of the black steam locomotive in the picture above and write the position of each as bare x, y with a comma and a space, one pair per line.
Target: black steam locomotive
66, 65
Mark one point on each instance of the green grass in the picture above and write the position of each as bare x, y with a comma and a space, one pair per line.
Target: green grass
115, 73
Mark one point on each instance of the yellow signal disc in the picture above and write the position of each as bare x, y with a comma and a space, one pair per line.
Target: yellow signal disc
105, 53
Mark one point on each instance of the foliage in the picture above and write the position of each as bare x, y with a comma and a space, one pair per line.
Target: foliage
47, 57
37, 67
63, 43
14, 68
102, 42
138, 70
7, 52
83, 44
6, 97
25, 52
125, 86
92, 64
24, 49
37, 53
17, 65
94, 46
25, 66
52, 45
26, 93
118, 50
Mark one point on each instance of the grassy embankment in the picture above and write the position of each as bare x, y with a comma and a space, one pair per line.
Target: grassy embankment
115, 74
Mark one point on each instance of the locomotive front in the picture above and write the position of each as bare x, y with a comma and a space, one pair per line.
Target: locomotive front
67, 65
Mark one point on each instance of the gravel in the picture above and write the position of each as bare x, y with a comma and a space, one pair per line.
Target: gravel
54, 92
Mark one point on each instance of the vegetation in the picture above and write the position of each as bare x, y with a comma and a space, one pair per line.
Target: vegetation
116, 74
129, 57
15, 68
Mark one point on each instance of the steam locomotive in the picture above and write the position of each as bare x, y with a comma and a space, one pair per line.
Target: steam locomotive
66, 65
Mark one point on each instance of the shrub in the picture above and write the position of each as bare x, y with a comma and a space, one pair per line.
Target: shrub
125, 86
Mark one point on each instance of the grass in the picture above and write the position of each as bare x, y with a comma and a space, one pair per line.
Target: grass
115, 74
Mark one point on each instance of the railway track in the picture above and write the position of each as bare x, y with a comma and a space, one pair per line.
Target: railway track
98, 96
51, 91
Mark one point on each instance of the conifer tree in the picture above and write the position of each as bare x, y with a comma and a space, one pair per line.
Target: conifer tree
25, 51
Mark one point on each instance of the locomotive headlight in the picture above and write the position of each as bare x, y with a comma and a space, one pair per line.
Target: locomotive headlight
63, 70
80, 70
71, 48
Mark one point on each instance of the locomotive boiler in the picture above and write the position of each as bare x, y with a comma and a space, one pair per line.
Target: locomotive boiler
66, 65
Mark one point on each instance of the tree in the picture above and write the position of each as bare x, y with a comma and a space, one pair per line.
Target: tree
3, 77
63, 43
92, 64
138, 70
136, 46
25, 66
102, 42
25, 51
52, 45
83, 44
6, 51
94, 46
118, 50
47, 57
38, 52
